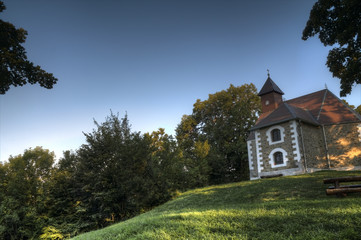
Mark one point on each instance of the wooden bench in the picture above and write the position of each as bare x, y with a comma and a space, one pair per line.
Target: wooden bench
342, 190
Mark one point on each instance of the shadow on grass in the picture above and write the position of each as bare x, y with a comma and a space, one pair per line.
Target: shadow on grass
281, 208
307, 186
308, 219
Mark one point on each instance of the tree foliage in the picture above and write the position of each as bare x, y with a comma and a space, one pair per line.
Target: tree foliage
123, 173
115, 175
15, 68
358, 110
112, 164
63, 190
23, 181
213, 138
339, 22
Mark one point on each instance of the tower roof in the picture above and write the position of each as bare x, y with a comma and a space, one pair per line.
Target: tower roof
270, 86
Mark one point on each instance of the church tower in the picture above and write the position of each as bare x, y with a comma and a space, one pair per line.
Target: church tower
271, 95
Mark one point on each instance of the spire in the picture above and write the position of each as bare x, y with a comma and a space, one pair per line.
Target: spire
271, 95
269, 86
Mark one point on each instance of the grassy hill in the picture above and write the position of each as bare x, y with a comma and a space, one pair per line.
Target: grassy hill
294, 207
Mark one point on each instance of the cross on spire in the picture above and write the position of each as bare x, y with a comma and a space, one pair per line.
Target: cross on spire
268, 72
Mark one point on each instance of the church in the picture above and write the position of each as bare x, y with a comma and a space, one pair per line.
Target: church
305, 134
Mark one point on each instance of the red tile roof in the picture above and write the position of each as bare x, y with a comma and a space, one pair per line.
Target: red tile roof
318, 108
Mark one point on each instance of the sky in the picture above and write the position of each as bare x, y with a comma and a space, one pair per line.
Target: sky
151, 60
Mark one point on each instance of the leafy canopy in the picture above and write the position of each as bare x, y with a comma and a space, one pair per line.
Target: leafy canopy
15, 69
122, 173
23, 181
214, 137
339, 22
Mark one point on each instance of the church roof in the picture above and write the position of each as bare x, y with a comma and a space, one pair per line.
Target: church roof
270, 86
285, 112
318, 108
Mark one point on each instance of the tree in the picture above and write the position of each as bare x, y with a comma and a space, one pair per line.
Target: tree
15, 69
103, 172
215, 135
358, 110
23, 180
62, 195
166, 168
339, 22
123, 173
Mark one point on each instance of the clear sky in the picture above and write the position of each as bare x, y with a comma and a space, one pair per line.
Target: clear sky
151, 59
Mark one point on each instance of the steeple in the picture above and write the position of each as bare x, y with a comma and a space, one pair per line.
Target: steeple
271, 95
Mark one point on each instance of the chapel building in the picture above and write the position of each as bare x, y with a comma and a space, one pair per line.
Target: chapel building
305, 134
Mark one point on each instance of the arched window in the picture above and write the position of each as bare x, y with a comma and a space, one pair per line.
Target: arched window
278, 158
276, 135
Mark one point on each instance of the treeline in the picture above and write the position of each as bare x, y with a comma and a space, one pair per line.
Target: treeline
119, 173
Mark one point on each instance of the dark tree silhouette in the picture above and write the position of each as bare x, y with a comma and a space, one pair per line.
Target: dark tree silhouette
15, 69
339, 22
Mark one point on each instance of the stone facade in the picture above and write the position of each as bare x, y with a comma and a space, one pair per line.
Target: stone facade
263, 164
344, 145
313, 146
305, 148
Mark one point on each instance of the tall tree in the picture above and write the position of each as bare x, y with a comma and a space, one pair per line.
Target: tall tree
23, 179
339, 22
195, 153
62, 196
103, 172
216, 133
15, 68
165, 170
122, 173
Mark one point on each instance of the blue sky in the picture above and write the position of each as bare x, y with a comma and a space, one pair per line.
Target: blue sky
151, 59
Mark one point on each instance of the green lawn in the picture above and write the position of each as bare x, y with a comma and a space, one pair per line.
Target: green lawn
293, 207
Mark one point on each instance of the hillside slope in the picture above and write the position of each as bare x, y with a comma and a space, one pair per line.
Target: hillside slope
293, 207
